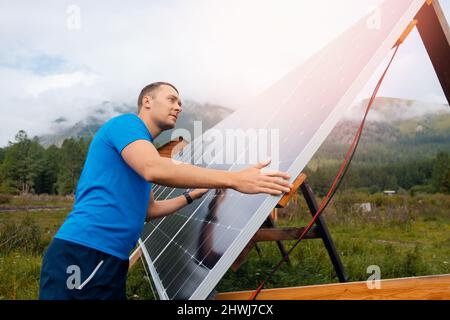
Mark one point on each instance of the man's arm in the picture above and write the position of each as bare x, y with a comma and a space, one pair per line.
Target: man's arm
162, 208
143, 157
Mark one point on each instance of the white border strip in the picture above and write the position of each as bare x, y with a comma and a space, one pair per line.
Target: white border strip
158, 284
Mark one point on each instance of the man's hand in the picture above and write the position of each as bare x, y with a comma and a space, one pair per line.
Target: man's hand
252, 180
197, 193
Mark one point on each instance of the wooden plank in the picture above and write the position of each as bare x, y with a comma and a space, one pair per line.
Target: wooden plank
288, 233
435, 287
134, 258
406, 33
297, 183
435, 33
274, 215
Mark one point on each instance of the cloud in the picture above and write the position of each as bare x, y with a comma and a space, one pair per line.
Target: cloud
59, 81
214, 51
30, 101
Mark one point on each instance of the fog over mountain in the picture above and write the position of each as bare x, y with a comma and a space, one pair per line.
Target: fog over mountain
62, 128
389, 119
387, 109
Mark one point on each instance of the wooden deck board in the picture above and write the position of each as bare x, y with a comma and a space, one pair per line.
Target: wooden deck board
418, 288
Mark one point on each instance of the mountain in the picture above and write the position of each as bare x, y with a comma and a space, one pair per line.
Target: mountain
395, 130
394, 120
209, 114
390, 110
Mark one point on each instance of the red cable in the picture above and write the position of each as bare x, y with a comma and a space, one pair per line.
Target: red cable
337, 180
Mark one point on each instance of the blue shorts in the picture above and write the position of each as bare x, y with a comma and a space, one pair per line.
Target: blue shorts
73, 271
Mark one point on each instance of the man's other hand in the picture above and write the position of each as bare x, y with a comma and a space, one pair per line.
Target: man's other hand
252, 180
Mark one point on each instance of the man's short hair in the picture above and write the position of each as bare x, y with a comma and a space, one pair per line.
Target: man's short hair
147, 90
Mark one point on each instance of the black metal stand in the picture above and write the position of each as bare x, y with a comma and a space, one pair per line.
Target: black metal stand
324, 233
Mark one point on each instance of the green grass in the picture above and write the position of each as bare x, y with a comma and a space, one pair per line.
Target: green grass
437, 125
404, 235
423, 248
19, 274
35, 200
23, 238
48, 221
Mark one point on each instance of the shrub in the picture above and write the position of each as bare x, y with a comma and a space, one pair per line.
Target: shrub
413, 264
421, 189
8, 187
5, 198
26, 237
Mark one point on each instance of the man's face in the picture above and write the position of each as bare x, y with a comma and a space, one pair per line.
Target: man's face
166, 106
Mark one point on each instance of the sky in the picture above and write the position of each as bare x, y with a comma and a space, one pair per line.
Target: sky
60, 58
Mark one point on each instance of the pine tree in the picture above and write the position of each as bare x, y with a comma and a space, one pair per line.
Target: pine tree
441, 173
73, 153
22, 162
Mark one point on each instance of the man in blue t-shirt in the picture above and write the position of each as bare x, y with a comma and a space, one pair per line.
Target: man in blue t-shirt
88, 257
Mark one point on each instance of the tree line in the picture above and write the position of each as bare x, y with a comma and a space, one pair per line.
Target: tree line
431, 175
28, 167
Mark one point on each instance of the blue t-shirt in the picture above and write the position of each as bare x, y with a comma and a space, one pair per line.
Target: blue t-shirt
111, 199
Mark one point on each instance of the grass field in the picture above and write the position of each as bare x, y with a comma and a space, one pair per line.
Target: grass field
403, 235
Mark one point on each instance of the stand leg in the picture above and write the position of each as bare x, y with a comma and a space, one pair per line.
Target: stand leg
326, 237
271, 224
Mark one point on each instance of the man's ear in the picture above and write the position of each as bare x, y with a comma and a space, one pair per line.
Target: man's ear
146, 102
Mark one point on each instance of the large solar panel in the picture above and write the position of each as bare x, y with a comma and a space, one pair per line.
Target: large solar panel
189, 252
